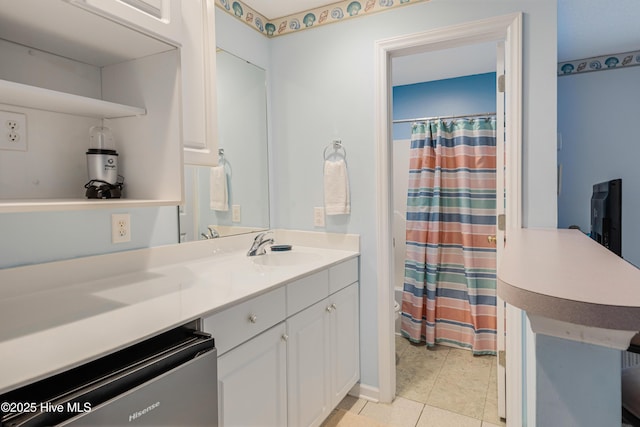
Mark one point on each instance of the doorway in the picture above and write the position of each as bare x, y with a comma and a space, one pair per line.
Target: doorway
506, 33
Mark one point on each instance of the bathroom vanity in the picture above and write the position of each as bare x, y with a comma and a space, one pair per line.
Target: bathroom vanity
285, 325
305, 362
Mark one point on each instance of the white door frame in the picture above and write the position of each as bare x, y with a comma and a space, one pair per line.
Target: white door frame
506, 29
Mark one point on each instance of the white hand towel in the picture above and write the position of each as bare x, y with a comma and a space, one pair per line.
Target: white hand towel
218, 197
336, 188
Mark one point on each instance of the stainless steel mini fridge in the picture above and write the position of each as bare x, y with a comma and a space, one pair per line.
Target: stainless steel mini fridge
167, 380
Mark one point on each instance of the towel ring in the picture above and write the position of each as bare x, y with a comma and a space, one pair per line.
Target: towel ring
337, 146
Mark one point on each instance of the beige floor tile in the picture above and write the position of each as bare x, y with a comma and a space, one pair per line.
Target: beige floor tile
418, 370
490, 413
473, 370
342, 418
421, 353
466, 362
401, 344
400, 413
352, 404
457, 398
436, 417
415, 386
461, 389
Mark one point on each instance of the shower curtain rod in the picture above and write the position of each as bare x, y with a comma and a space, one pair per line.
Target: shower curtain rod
424, 119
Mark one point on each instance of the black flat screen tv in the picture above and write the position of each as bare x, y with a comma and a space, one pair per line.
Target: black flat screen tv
606, 215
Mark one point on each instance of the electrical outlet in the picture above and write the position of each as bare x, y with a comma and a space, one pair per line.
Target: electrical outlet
120, 228
13, 131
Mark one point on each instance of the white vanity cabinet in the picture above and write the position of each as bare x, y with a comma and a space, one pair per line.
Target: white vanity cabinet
238, 324
289, 356
344, 334
323, 359
251, 361
159, 18
308, 366
252, 382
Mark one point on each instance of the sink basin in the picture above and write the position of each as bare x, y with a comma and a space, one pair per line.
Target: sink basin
285, 258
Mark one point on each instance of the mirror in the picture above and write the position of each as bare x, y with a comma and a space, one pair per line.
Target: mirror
243, 159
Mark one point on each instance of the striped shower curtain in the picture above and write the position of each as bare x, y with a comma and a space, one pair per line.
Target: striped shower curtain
450, 279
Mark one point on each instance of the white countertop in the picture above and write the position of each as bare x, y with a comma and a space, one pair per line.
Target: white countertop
48, 329
564, 276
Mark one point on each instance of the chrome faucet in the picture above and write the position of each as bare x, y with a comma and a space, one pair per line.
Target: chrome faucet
261, 240
213, 233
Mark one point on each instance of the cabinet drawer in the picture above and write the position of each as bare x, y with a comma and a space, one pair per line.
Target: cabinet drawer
342, 275
237, 324
307, 291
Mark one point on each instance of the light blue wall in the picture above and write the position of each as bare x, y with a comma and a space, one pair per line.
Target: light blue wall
456, 96
323, 89
35, 237
597, 117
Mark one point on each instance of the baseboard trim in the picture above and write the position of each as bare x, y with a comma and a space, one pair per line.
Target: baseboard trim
367, 392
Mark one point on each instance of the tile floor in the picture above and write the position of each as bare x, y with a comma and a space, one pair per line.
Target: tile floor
441, 387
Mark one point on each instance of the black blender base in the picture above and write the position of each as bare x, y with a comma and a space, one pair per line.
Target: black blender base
103, 190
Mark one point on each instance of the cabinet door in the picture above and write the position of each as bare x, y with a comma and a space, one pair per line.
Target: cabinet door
308, 359
159, 18
252, 382
345, 342
199, 105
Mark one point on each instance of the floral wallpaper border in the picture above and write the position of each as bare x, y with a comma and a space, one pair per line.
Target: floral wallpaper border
309, 19
599, 63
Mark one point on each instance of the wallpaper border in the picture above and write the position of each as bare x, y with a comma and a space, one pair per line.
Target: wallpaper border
313, 18
599, 63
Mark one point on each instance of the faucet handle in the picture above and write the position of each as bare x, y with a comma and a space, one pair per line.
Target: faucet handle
261, 236
259, 242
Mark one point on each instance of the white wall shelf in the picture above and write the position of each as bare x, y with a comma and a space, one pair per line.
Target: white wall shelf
27, 96
39, 205
70, 65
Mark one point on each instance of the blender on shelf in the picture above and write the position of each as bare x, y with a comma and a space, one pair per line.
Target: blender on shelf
102, 166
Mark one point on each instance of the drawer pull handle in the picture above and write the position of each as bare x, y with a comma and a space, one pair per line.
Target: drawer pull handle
253, 318
333, 306
329, 309
285, 337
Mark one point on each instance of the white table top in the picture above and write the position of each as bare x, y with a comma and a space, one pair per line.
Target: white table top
566, 276
47, 331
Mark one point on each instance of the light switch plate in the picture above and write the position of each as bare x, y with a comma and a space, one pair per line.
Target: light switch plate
235, 213
318, 217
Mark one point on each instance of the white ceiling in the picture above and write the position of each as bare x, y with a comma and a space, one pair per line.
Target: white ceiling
444, 64
586, 28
